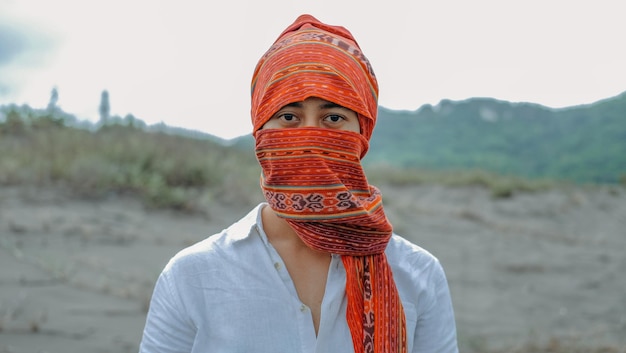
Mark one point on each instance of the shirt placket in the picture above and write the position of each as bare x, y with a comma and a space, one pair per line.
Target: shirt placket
331, 330
302, 313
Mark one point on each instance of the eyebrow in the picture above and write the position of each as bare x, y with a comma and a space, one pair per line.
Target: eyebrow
325, 105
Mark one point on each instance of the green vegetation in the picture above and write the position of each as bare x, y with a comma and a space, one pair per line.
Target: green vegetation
504, 147
38, 148
583, 144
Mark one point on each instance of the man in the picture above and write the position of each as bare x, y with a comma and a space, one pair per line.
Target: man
317, 267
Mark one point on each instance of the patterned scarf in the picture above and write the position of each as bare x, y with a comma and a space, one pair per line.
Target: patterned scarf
312, 177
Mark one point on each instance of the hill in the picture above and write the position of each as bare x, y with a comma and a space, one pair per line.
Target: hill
582, 143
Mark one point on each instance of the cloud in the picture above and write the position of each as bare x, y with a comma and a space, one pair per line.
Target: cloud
22, 46
12, 42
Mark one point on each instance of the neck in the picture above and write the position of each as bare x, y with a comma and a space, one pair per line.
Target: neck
278, 231
284, 238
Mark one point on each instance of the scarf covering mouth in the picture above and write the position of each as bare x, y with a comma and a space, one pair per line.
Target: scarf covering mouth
312, 177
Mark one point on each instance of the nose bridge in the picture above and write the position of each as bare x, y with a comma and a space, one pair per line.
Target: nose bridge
309, 118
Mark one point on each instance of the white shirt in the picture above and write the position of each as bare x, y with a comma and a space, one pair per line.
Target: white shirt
231, 293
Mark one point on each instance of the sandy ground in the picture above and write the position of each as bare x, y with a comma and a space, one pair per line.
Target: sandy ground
545, 269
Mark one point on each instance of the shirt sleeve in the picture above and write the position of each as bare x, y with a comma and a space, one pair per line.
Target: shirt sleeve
436, 326
168, 329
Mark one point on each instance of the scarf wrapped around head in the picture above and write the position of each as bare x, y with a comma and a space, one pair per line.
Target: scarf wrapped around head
312, 177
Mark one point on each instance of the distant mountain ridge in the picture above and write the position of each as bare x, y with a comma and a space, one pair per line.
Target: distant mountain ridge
585, 143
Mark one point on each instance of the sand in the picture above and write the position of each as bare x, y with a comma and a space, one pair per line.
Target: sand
543, 270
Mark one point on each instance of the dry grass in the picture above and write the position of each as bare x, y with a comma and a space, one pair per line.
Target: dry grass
164, 170
501, 186
171, 171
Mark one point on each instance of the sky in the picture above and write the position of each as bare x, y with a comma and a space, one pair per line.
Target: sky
189, 63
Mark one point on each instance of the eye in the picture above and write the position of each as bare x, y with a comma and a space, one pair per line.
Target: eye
334, 119
287, 117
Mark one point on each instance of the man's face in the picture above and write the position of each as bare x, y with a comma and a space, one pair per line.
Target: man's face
314, 112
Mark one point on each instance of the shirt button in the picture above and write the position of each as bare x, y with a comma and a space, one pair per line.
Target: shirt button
303, 308
277, 265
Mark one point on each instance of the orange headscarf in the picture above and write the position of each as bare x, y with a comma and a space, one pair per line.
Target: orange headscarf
313, 59
331, 206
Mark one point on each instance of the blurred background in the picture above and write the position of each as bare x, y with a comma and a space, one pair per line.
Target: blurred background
500, 147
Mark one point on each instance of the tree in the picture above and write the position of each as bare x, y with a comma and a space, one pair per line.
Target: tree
105, 108
54, 98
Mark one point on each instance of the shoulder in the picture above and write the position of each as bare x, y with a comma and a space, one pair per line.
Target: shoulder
418, 274
218, 250
425, 295
407, 256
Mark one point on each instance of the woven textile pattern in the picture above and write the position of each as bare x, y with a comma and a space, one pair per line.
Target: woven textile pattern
313, 178
311, 59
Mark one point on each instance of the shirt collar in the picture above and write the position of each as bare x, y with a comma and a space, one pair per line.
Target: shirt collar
245, 226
